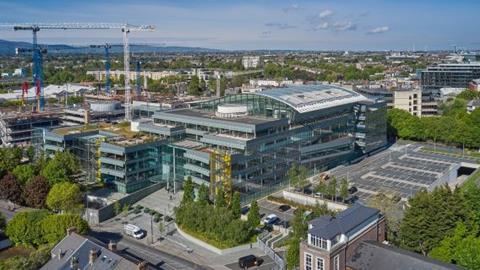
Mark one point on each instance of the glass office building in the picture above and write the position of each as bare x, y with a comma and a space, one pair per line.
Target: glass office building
247, 142
244, 142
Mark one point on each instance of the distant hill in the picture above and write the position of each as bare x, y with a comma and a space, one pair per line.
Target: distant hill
8, 48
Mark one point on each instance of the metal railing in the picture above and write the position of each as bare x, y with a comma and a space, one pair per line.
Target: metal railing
270, 252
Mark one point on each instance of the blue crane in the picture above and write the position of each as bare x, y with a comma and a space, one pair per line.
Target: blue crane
37, 57
107, 48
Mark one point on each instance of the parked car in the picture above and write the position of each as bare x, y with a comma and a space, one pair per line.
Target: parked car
284, 207
133, 231
270, 219
352, 190
245, 210
247, 261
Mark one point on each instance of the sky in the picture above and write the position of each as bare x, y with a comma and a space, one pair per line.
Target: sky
260, 24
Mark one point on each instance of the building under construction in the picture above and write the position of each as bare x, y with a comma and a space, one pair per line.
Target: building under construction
16, 128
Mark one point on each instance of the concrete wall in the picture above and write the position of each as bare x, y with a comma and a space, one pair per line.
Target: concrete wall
310, 200
95, 216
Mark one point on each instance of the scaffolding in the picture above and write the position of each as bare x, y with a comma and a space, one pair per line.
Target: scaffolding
221, 173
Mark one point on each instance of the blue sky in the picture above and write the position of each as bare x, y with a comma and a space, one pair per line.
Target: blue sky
261, 24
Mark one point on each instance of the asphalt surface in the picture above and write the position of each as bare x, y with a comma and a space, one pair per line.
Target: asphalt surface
267, 264
136, 251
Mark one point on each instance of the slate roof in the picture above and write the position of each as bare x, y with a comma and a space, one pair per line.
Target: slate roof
371, 255
327, 227
77, 246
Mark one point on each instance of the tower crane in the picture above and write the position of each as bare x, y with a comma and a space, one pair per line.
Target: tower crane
107, 47
138, 79
37, 60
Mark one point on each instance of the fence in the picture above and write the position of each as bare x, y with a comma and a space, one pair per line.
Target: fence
262, 244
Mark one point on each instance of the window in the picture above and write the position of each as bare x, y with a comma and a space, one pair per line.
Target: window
336, 262
308, 261
320, 264
318, 242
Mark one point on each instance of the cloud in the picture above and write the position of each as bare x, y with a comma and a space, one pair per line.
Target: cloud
344, 26
321, 26
292, 7
325, 14
280, 26
378, 30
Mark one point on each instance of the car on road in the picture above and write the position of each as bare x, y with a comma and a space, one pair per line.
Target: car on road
284, 207
134, 231
247, 261
270, 219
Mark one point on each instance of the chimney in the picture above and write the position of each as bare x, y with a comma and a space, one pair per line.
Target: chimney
93, 256
74, 263
71, 230
112, 246
142, 266
60, 254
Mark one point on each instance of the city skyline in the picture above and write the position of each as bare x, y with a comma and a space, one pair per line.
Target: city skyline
232, 25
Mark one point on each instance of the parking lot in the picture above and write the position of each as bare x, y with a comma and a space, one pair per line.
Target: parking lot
400, 171
267, 207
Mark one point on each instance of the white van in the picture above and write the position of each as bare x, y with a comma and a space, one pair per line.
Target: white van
133, 231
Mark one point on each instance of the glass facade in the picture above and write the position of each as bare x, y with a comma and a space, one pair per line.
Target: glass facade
262, 145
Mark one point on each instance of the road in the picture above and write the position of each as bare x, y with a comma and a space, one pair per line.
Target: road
136, 251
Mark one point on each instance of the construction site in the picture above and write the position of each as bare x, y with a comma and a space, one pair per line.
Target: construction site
17, 126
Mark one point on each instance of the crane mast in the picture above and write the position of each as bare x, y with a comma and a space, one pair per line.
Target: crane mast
38, 60
126, 63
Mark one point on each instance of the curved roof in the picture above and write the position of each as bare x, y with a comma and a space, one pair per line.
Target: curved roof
307, 98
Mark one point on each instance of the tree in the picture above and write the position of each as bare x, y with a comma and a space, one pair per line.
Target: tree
24, 173
11, 190
292, 174
194, 87
344, 189
54, 227
36, 192
254, 215
117, 208
65, 197
24, 228
321, 187
10, 157
188, 191
30, 153
235, 205
332, 188
320, 210
60, 168
220, 198
462, 248
293, 253
203, 195
302, 177
431, 217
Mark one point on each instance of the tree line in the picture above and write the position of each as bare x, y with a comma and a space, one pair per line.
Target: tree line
443, 224
455, 126
47, 186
